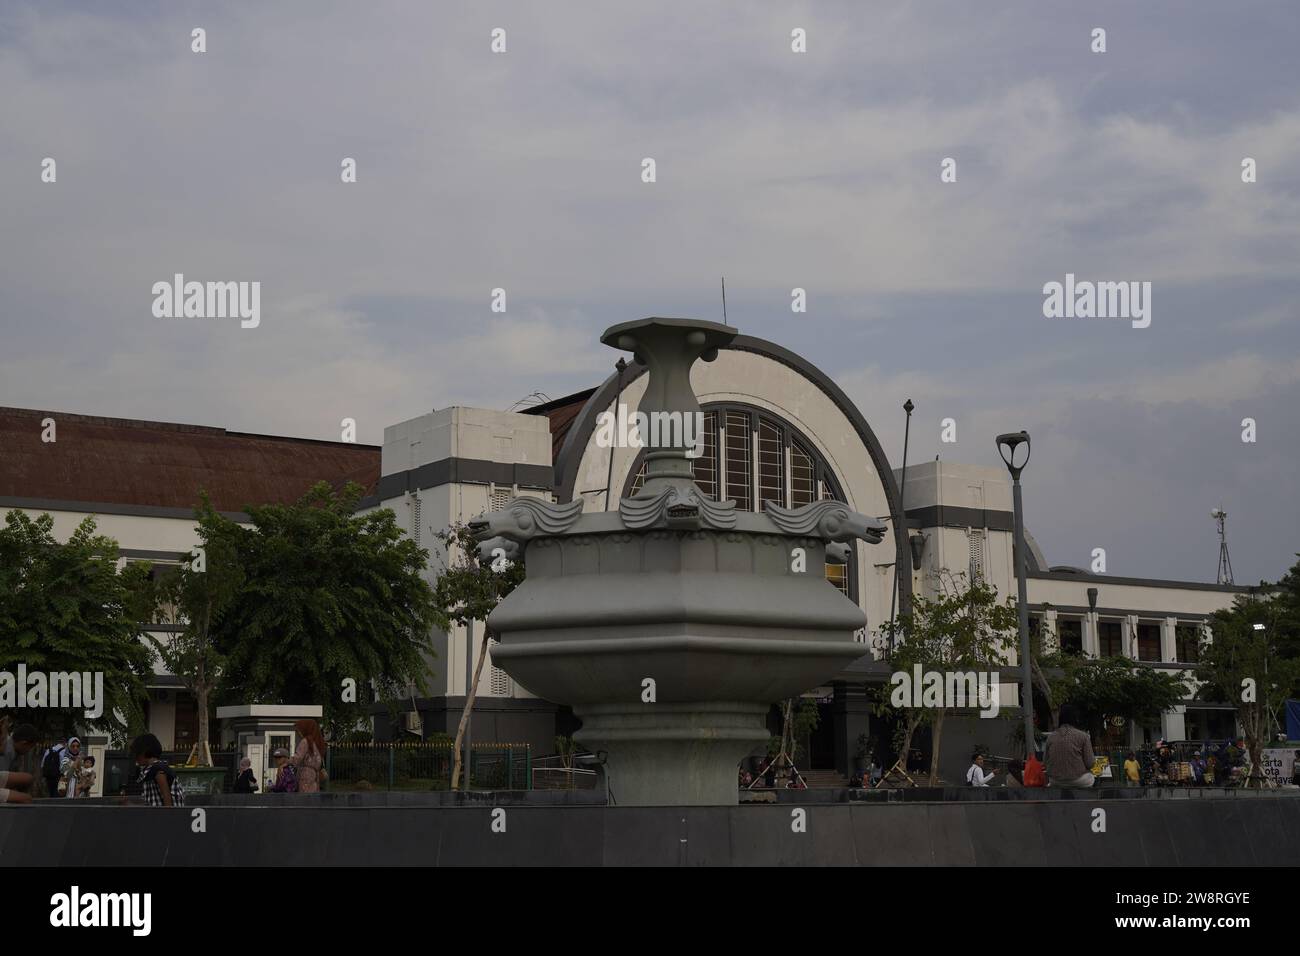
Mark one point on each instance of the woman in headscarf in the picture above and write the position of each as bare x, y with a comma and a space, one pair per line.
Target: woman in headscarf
245, 782
310, 755
70, 766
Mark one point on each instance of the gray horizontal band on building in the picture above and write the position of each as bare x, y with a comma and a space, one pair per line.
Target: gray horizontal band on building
1117, 611
470, 471
109, 508
1103, 579
154, 555
948, 516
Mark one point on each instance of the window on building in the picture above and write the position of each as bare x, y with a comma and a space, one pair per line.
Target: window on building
838, 575
705, 467
1070, 635
1110, 639
771, 464
803, 476
1187, 643
1148, 642
738, 462
976, 544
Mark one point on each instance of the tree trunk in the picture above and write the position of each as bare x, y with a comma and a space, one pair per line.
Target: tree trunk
936, 737
910, 725
456, 767
1039, 681
201, 692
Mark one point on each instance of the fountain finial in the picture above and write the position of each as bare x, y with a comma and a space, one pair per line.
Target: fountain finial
668, 348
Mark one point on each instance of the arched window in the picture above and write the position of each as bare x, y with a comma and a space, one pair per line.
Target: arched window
757, 457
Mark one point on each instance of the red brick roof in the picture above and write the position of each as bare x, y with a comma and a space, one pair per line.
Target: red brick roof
128, 462
562, 412
125, 461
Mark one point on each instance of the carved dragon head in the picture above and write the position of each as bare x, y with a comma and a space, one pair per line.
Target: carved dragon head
678, 508
828, 520
526, 518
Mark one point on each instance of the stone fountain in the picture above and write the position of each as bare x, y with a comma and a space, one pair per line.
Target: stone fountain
672, 624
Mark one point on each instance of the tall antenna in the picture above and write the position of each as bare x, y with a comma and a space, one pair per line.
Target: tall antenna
1225, 563
724, 300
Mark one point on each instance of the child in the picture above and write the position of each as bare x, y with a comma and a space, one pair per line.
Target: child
245, 782
158, 782
86, 777
1132, 772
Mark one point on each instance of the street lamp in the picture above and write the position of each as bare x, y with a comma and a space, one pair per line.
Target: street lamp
1007, 445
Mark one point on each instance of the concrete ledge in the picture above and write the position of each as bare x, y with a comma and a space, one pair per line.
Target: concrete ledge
340, 831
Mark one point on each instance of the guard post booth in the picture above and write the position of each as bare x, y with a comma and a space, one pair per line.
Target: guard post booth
257, 730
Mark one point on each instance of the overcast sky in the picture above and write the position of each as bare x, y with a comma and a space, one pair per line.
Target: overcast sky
778, 170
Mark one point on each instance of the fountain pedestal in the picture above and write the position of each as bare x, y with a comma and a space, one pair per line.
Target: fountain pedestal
671, 625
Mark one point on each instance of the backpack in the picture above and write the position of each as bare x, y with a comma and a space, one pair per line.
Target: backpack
1035, 775
50, 766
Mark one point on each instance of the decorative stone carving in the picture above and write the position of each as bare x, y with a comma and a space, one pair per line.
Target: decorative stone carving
674, 507
828, 520
526, 518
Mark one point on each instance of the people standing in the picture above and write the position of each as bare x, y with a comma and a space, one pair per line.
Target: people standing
52, 766
245, 782
1068, 754
158, 781
1132, 771
70, 767
309, 759
14, 784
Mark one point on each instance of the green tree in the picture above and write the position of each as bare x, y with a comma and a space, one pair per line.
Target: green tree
1241, 663
192, 598
963, 628
67, 607
466, 591
327, 596
1286, 595
1110, 691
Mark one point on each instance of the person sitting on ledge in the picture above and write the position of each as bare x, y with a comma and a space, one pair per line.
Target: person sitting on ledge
1015, 774
976, 776
14, 785
1069, 757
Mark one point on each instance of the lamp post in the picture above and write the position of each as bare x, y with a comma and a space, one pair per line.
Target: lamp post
908, 407
1007, 445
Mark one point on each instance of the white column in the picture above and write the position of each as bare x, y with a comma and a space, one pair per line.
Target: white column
1051, 637
1174, 723
1129, 636
1168, 646
1091, 645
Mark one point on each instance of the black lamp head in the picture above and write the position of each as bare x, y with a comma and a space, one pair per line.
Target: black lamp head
1007, 445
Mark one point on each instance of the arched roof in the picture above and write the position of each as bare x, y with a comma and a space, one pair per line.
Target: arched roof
584, 424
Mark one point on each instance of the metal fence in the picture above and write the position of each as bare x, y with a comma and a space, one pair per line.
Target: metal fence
560, 773
360, 766
426, 766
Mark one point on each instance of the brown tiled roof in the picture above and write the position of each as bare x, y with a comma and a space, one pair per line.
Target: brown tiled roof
127, 462
562, 413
